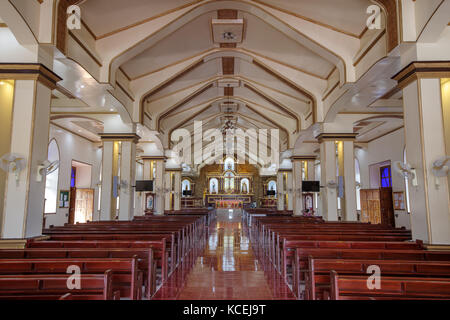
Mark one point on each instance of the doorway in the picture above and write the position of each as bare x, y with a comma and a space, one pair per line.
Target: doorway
81, 205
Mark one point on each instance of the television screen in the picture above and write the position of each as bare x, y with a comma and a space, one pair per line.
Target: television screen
187, 192
311, 186
144, 185
271, 192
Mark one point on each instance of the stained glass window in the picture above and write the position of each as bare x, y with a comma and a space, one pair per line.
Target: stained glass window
73, 175
385, 177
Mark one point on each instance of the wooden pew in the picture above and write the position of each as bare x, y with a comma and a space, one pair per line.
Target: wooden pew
126, 276
300, 268
288, 247
52, 286
92, 236
318, 276
345, 287
144, 258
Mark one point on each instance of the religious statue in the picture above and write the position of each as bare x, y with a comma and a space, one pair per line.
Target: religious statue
244, 188
213, 187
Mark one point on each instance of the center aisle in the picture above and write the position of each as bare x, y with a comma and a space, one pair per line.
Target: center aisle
226, 269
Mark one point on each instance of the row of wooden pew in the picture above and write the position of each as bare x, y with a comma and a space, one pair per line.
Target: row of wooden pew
105, 260
336, 260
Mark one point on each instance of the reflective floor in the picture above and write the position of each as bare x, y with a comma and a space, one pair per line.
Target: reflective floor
226, 269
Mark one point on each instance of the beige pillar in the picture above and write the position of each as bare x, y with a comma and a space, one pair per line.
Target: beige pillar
311, 170
280, 190
168, 193
297, 185
119, 152
328, 195
298, 165
127, 179
329, 142
290, 190
177, 191
28, 121
350, 213
423, 95
156, 164
159, 188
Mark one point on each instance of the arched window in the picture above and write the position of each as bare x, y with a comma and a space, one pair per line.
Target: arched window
272, 186
408, 206
51, 182
185, 186
358, 184
245, 185
228, 164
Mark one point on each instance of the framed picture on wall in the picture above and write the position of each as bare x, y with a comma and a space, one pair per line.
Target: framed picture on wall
399, 200
64, 198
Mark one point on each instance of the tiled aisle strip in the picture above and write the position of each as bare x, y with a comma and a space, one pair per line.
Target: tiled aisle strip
226, 270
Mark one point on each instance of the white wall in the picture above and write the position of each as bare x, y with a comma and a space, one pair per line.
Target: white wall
72, 147
389, 147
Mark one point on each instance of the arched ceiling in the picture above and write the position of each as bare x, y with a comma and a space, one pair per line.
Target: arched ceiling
284, 66
228, 71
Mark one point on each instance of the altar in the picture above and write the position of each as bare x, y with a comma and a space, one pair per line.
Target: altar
229, 204
229, 187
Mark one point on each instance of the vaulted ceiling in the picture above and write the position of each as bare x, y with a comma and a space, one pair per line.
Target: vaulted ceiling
244, 63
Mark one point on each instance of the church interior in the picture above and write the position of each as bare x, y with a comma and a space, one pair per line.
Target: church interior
224, 150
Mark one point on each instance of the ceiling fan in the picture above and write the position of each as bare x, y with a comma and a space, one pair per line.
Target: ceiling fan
406, 171
440, 168
46, 168
13, 163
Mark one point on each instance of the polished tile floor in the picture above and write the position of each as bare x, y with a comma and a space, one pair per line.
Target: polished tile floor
225, 268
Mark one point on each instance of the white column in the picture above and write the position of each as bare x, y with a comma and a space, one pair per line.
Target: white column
106, 208
297, 186
290, 191
23, 197
159, 187
178, 191
168, 186
127, 178
350, 213
328, 174
310, 164
425, 143
280, 191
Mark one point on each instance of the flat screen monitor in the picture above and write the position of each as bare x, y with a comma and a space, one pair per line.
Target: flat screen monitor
271, 192
311, 186
144, 185
187, 192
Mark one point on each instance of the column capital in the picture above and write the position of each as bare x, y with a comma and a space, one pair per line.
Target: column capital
304, 158
336, 136
422, 70
120, 137
29, 71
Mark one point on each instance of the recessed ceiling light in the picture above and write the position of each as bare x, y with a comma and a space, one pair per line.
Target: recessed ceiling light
82, 86
2, 83
111, 109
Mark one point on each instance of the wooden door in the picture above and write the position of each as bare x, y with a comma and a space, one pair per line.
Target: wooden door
72, 199
387, 207
84, 205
